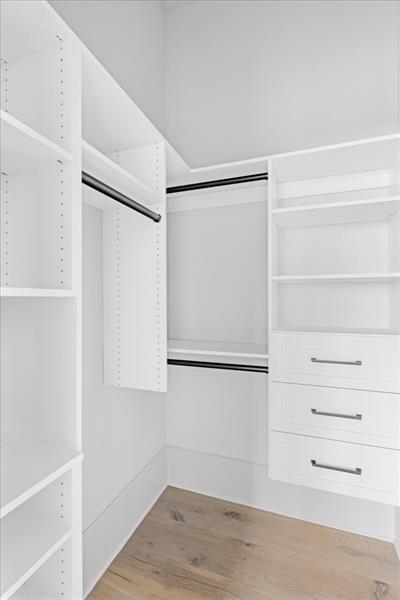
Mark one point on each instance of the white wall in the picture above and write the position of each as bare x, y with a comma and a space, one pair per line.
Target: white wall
123, 431
248, 78
128, 38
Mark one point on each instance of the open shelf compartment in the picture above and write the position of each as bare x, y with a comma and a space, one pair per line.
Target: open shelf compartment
27, 467
357, 171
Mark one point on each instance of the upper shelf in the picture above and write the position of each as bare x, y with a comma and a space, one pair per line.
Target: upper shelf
23, 148
22, 292
27, 467
100, 166
26, 27
376, 209
180, 348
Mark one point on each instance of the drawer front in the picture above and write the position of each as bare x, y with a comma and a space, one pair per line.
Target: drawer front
350, 469
349, 415
339, 360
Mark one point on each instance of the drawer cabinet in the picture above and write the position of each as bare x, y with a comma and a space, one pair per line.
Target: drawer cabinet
349, 415
352, 469
370, 362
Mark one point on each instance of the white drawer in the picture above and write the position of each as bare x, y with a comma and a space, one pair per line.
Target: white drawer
348, 415
370, 362
350, 469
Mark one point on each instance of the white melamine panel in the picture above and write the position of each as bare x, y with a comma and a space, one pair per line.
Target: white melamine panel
27, 26
356, 211
341, 159
325, 305
344, 248
39, 371
227, 350
36, 228
356, 416
27, 541
134, 289
217, 273
291, 355
218, 412
27, 467
291, 459
37, 90
27, 592
111, 173
23, 148
244, 193
52, 580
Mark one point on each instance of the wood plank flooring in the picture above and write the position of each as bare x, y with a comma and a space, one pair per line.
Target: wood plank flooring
192, 547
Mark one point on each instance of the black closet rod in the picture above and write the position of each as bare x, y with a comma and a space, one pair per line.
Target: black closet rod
107, 190
217, 183
217, 365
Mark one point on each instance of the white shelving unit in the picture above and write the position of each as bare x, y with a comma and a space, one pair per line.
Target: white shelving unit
28, 541
334, 289
40, 314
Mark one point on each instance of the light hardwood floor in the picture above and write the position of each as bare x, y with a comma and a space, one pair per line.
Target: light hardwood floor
192, 547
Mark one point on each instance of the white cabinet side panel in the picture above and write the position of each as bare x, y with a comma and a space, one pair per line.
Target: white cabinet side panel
134, 291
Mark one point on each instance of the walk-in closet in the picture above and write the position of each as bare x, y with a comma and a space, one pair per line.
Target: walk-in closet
200, 300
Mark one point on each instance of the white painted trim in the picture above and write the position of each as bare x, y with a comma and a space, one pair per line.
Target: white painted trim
136, 482
248, 484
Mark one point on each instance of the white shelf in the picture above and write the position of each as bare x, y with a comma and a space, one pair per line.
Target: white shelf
27, 26
227, 349
338, 330
27, 467
106, 170
27, 592
27, 541
23, 148
15, 292
350, 277
337, 212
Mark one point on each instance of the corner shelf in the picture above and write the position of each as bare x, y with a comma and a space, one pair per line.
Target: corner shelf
346, 277
374, 209
27, 541
27, 592
225, 349
27, 467
23, 148
100, 166
16, 292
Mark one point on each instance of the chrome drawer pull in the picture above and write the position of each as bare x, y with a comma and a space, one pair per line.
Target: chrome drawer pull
356, 471
356, 363
322, 413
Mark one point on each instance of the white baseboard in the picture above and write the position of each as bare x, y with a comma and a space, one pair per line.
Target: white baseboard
397, 531
107, 535
248, 483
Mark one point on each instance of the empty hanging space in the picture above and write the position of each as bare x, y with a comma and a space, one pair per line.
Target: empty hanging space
217, 253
